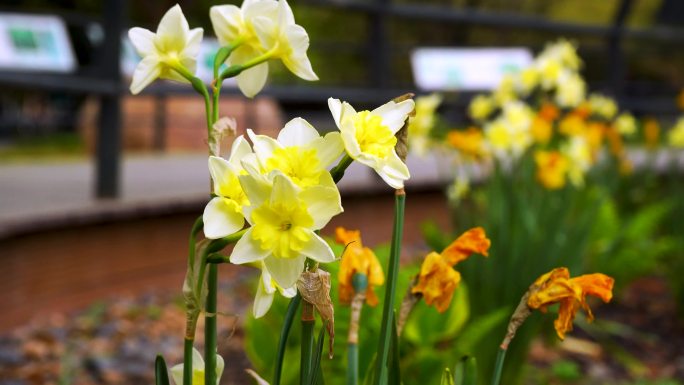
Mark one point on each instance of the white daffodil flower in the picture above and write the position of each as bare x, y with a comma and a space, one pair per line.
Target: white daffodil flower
234, 25
299, 152
626, 124
223, 214
262, 28
174, 47
284, 218
571, 90
368, 137
266, 289
197, 369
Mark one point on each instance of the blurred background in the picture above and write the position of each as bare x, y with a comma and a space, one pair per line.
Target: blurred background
99, 188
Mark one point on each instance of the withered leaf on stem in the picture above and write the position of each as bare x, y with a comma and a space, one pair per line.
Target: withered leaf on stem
314, 287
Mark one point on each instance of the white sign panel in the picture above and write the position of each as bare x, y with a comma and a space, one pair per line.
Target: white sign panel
465, 69
35, 43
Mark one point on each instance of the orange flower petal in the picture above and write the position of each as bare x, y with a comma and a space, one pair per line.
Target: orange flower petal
472, 241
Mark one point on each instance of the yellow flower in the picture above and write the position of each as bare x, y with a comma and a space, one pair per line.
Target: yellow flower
602, 106
264, 27
284, 219
437, 279
541, 130
266, 289
197, 369
368, 136
572, 125
549, 112
423, 122
651, 133
223, 214
552, 168
580, 159
527, 80
626, 124
676, 135
556, 286
357, 259
469, 142
481, 107
571, 90
173, 47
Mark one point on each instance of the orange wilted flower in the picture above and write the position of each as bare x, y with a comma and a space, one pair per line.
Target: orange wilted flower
651, 133
437, 279
357, 259
556, 286
469, 142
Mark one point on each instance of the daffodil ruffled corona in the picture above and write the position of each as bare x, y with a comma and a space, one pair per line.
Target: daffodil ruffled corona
262, 27
437, 279
368, 136
266, 289
283, 218
174, 47
223, 214
357, 259
197, 369
556, 286
298, 152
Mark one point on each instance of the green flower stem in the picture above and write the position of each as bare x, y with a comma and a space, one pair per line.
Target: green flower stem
498, 368
236, 69
200, 87
196, 228
284, 333
210, 326
308, 323
360, 284
221, 56
392, 272
187, 360
337, 172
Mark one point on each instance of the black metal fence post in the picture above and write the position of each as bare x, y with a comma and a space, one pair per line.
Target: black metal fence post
109, 127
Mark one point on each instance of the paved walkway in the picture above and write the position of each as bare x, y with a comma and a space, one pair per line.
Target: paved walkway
44, 195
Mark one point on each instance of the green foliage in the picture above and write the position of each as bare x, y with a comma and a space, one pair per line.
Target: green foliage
161, 374
566, 371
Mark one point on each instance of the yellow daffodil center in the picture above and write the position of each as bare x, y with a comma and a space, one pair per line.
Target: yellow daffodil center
301, 165
280, 227
232, 193
373, 137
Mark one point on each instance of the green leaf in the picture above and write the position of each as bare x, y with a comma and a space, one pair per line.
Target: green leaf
316, 364
427, 326
161, 374
475, 331
394, 373
447, 377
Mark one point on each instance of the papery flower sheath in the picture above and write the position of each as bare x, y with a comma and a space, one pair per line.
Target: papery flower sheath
197, 369
368, 136
556, 286
173, 46
357, 259
223, 214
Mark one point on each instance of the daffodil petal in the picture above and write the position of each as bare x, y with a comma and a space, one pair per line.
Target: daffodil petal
197, 360
220, 364
192, 46
177, 374
395, 167
288, 292
285, 271
239, 150
221, 219
317, 249
351, 145
297, 61
143, 40
255, 187
328, 148
220, 171
323, 203
335, 107
394, 114
284, 190
285, 15
263, 145
247, 250
145, 73
173, 29
252, 80
297, 132
226, 20
262, 301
